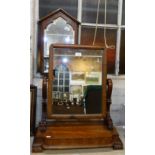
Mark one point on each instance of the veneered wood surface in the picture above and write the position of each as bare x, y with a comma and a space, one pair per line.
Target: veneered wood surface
75, 136
77, 131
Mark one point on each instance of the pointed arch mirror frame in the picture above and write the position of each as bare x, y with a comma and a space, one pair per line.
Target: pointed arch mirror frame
43, 24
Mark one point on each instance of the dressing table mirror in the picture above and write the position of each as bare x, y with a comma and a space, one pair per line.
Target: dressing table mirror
76, 100
77, 81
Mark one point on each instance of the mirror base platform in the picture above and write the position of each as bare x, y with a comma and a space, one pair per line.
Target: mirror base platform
74, 136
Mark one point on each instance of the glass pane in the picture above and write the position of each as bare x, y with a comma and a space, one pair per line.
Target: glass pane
123, 13
66, 82
54, 88
122, 53
89, 11
66, 89
60, 82
76, 94
111, 34
55, 82
112, 11
60, 75
47, 6
67, 76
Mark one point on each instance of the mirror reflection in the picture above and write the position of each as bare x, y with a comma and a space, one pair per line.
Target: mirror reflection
77, 84
57, 32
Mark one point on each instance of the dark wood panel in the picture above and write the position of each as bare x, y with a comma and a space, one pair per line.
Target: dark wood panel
122, 54
111, 56
33, 99
87, 36
63, 109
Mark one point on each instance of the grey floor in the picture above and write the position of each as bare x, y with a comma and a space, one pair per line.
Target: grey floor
98, 151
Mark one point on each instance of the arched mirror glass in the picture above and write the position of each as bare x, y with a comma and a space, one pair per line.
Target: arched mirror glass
57, 32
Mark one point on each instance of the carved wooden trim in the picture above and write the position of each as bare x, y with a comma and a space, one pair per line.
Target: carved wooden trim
42, 126
117, 143
44, 98
43, 123
44, 88
33, 90
37, 145
57, 11
109, 92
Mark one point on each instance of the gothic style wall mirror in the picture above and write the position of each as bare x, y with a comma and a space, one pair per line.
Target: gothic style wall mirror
77, 81
57, 27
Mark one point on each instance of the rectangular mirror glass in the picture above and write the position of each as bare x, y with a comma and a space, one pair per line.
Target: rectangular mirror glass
77, 81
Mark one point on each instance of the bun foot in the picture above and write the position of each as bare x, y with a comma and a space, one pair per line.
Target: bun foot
117, 144
37, 145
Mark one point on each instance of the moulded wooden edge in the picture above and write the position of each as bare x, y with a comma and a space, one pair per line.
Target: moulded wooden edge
44, 140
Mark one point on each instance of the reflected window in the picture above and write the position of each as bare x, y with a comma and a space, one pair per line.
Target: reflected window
61, 80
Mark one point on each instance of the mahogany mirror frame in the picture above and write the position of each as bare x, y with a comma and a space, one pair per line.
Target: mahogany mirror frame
100, 116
